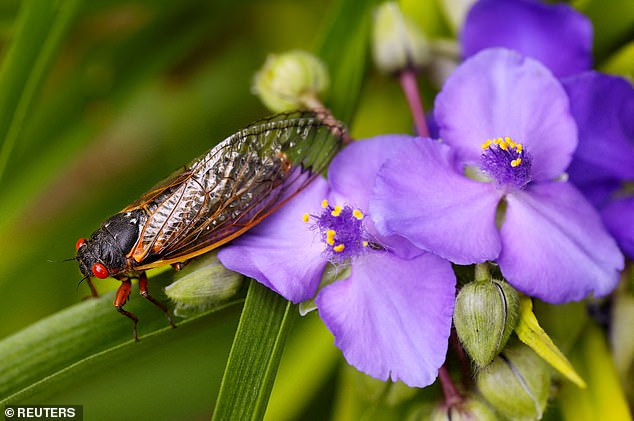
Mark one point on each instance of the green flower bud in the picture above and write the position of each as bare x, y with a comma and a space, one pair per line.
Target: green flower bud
456, 12
397, 42
291, 81
469, 409
485, 314
201, 285
516, 383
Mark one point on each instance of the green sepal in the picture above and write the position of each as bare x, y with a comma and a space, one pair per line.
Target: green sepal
530, 332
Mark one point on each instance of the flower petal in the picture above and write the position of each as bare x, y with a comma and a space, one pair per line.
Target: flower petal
421, 197
392, 317
557, 35
499, 93
554, 246
352, 175
618, 219
353, 171
603, 107
282, 252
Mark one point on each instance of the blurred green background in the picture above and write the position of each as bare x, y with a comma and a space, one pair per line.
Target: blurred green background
134, 90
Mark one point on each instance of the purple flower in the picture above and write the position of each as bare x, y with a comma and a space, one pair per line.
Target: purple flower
603, 107
505, 122
392, 316
555, 34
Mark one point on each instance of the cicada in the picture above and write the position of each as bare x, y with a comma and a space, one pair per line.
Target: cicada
210, 201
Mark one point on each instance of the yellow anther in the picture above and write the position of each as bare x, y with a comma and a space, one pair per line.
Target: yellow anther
365, 244
324, 203
516, 162
336, 211
486, 144
503, 145
510, 142
330, 237
306, 217
339, 248
357, 214
519, 148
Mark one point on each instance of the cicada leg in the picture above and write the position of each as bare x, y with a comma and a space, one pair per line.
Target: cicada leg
93, 290
145, 294
179, 265
120, 299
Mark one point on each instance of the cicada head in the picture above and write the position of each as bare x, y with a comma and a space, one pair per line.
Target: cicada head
105, 252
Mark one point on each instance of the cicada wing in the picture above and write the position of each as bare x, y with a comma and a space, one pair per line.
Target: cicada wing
237, 184
162, 188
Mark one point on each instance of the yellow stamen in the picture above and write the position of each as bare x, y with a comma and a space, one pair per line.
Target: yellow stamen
330, 237
503, 145
519, 148
516, 162
365, 244
336, 211
339, 248
324, 203
357, 214
497, 141
306, 217
486, 144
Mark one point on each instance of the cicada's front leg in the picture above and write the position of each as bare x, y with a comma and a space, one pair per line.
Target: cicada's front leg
121, 298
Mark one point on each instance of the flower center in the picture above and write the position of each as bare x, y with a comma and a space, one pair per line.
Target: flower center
506, 162
342, 231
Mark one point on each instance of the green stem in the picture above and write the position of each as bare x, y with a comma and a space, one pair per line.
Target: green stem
255, 355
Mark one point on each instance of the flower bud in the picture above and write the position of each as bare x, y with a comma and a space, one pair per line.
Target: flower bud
485, 314
470, 409
291, 81
201, 285
397, 43
516, 383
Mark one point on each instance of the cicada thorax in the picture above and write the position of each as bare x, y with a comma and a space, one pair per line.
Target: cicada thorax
105, 252
232, 187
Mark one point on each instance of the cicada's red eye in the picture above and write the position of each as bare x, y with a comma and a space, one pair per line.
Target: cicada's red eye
80, 243
100, 271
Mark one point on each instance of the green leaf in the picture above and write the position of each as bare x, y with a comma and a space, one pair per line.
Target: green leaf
310, 347
41, 28
603, 399
81, 336
529, 332
255, 355
621, 62
612, 23
345, 48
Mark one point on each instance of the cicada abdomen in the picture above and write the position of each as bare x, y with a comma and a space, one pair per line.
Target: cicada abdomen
213, 199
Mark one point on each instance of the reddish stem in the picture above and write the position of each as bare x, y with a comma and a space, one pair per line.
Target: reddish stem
452, 396
410, 88
462, 358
